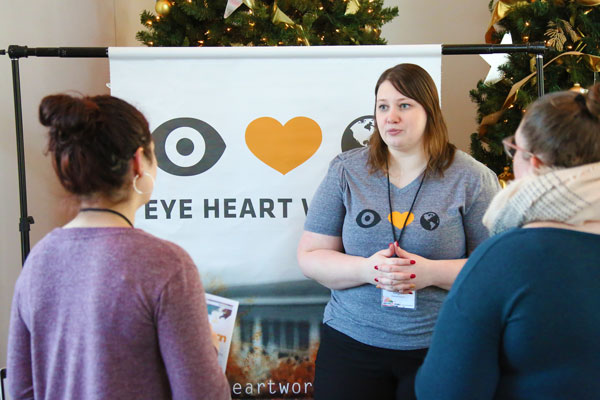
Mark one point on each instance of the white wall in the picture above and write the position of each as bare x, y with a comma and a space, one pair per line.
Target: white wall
447, 22
93, 23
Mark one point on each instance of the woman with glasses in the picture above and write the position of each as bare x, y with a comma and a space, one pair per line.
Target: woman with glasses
522, 320
103, 310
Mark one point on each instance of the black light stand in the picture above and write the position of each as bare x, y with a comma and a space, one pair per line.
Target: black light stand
16, 52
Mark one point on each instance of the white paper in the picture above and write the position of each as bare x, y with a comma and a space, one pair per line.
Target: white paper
221, 315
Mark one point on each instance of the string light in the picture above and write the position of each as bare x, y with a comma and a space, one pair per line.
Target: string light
228, 29
151, 43
251, 23
526, 23
149, 22
525, 38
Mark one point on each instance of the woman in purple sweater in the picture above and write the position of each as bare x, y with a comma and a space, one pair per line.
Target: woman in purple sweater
103, 310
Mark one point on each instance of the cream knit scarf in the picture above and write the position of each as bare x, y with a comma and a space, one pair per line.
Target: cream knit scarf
569, 195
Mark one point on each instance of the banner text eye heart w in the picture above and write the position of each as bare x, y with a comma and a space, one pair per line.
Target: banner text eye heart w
398, 218
283, 147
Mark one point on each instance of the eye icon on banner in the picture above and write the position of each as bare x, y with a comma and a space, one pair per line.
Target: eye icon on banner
187, 146
283, 147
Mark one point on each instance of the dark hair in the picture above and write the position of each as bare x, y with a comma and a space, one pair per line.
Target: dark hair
414, 82
92, 141
563, 129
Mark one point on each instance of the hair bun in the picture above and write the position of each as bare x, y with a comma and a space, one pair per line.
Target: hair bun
593, 100
67, 116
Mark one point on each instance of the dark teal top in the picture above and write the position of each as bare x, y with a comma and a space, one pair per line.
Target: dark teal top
522, 321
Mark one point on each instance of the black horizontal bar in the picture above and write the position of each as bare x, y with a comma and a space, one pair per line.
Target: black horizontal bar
83, 52
102, 52
534, 48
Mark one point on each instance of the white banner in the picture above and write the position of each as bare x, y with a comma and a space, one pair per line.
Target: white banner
243, 138
280, 113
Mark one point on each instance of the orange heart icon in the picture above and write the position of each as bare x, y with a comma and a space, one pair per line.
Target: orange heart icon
398, 219
283, 148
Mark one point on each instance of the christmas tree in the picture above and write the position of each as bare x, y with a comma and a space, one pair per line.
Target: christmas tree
265, 23
570, 29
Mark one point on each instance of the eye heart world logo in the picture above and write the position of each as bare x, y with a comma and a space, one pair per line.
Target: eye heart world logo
283, 147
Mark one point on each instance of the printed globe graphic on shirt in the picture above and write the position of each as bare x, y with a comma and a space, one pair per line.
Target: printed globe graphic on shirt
358, 133
430, 221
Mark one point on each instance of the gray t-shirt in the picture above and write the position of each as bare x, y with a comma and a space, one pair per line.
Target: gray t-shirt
353, 204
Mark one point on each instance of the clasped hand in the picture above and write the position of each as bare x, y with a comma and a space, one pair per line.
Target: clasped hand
397, 270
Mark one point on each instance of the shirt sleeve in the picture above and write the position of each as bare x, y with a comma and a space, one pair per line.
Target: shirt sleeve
19, 368
463, 360
185, 339
327, 210
475, 207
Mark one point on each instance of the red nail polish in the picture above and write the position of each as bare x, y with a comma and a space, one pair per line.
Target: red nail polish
412, 262
409, 292
376, 267
396, 243
412, 276
376, 280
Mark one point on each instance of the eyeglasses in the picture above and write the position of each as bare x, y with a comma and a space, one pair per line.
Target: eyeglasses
510, 147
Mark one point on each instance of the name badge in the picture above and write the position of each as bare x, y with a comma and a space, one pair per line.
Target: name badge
399, 300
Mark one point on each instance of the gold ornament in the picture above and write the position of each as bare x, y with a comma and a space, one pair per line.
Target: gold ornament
578, 89
162, 7
352, 7
282, 18
505, 177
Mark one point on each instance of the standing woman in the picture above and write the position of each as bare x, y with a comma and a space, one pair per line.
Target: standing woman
373, 340
522, 320
102, 310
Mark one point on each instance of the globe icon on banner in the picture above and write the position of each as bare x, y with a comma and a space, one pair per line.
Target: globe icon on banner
358, 133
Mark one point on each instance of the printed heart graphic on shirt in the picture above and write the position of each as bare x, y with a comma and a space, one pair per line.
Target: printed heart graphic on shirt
398, 218
283, 147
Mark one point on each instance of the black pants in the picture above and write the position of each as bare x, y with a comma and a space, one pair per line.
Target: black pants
347, 369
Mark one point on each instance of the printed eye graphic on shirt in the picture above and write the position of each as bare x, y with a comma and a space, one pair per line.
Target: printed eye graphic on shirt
430, 221
367, 218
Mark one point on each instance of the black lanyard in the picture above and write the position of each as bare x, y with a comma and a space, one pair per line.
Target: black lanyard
390, 204
108, 210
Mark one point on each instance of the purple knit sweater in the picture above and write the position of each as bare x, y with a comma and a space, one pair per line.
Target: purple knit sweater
111, 313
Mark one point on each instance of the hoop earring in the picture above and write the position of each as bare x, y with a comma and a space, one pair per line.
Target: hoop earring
138, 191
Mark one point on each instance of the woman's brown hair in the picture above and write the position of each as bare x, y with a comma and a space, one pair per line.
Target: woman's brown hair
414, 82
563, 128
92, 141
